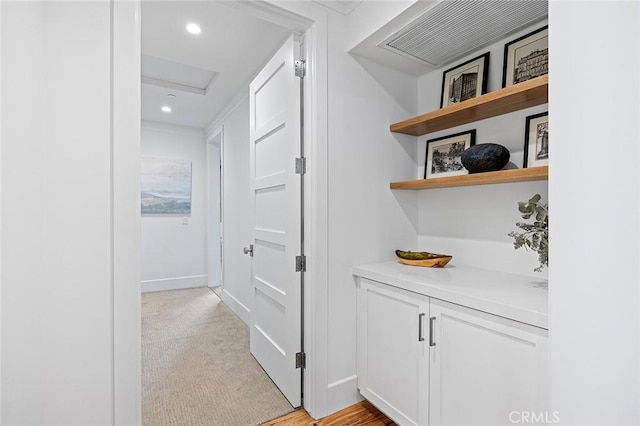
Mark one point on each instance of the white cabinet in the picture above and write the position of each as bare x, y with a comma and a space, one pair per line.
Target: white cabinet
484, 369
393, 351
424, 361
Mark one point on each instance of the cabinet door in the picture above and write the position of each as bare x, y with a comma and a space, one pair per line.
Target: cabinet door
393, 351
485, 370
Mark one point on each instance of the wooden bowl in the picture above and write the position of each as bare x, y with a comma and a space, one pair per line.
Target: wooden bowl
436, 262
423, 258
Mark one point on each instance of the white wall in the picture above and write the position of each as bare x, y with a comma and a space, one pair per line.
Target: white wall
370, 16
472, 223
595, 194
367, 221
57, 335
174, 247
22, 83
236, 279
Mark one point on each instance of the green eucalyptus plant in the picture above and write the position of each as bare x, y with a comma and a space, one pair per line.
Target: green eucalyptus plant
536, 234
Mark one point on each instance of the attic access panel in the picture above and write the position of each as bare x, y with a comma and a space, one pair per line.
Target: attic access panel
453, 29
173, 75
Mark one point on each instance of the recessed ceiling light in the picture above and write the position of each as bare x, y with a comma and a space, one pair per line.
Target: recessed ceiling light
166, 109
193, 28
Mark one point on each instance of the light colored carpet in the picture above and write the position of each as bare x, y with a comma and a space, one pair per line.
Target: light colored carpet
196, 365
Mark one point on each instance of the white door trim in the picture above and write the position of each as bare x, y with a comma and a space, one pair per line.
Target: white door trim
125, 214
214, 211
1, 220
316, 218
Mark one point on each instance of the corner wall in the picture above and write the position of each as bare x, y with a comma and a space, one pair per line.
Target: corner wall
174, 247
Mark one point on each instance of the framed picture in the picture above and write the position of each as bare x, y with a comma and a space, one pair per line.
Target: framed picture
536, 140
526, 57
443, 154
165, 186
465, 81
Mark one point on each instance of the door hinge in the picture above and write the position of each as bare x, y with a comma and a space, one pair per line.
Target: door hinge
301, 166
301, 68
301, 263
301, 360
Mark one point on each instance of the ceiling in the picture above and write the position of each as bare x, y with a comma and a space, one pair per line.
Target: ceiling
204, 72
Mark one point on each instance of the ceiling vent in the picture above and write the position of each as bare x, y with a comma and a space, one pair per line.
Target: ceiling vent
453, 29
176, 76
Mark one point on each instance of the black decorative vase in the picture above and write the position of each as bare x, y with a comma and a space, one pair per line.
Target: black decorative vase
485, 157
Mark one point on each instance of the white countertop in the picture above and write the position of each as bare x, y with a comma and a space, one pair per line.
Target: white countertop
517, 297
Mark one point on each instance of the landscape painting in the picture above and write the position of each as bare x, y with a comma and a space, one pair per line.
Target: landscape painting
165, 186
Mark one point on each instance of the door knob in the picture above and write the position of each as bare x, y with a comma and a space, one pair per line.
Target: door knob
249, 250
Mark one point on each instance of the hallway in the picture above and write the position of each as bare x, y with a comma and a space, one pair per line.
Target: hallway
196, 365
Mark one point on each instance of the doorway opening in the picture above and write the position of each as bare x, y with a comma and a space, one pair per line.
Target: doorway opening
193, 112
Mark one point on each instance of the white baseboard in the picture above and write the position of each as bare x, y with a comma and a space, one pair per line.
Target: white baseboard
237, 307
174, 283
343, 393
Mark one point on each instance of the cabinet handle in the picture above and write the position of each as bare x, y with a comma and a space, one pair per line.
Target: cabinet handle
420, 326
432, 341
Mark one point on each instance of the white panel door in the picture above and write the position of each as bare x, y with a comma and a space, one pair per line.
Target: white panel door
275, 329
485, 370
393, 351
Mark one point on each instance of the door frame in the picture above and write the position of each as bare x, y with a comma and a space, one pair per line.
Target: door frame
126, 310
316, 377
1, 219
214, 237
126, 299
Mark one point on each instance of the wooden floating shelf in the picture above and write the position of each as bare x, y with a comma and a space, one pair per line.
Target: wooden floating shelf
502, 176
513, 98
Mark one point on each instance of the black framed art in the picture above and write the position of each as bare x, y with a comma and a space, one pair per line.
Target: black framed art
443, 154
526, 57
465, 81
536, 140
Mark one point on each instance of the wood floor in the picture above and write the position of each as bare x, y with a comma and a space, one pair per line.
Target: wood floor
360, 414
